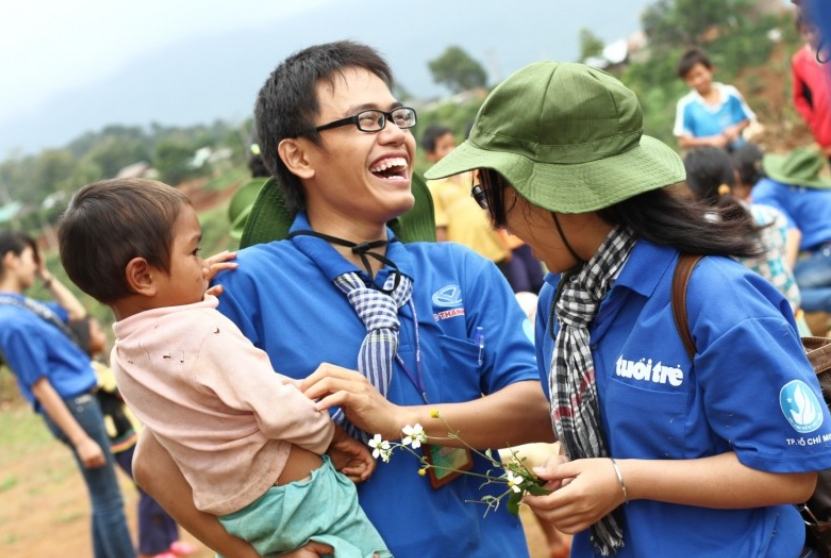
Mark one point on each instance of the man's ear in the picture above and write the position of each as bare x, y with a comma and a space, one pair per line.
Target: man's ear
294, 153
140, 277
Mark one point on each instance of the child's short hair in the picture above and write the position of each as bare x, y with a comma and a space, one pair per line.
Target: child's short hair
690, 58
431, 136
108, 223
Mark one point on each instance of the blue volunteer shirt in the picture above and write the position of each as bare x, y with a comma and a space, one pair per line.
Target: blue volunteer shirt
751, 391
696, 118
287, 305
35, 349
807, 209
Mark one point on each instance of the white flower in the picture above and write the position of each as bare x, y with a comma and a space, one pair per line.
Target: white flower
514, 481
414, 435
380, 448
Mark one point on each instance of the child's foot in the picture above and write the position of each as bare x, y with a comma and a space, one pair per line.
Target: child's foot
180, 548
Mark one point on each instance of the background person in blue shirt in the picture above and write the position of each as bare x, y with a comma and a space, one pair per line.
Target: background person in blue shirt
340, 145
794, 186
57, 378
712, 113
666, 457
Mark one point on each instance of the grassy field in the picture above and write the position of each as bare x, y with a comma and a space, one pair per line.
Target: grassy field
45, 509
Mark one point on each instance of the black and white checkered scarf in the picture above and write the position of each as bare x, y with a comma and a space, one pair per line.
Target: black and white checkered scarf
574, 406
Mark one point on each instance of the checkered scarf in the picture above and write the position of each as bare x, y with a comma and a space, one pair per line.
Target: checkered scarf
574, 406
378, 309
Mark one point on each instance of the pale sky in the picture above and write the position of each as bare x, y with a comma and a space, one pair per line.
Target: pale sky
73, 66
48, 46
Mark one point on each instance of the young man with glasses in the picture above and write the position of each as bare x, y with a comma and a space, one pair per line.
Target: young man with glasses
343, 288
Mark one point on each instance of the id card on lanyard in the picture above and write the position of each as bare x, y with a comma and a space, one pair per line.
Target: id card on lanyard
447, 462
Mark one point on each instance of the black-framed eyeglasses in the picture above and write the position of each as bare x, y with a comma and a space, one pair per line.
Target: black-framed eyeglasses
479, 195
375, 120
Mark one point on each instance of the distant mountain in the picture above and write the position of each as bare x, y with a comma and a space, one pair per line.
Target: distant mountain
202, 79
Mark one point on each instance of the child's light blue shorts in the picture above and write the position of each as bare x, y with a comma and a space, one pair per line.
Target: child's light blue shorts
323, 508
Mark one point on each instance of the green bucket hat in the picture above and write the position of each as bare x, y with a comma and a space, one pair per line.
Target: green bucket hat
800, 167
568, 137
270, 218
241, 205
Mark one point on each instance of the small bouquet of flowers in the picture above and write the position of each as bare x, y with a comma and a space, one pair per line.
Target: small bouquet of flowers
518, 479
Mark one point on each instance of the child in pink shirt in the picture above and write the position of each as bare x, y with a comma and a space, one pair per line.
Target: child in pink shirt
249, 443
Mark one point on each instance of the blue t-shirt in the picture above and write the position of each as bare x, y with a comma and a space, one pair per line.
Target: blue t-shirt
751, 390
287, 305
696, 118
807, 209
35, 348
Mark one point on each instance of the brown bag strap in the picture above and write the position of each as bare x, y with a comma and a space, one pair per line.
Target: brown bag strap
678, 297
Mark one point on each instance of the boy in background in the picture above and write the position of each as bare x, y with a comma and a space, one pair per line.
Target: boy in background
249, 443
712, 113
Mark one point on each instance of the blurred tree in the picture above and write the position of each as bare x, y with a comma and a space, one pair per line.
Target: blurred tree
590, 44
52, 169
172, 160
685, 22
457, 70
115, 153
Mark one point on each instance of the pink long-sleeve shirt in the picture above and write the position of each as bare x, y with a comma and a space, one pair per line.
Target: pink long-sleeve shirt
214, 402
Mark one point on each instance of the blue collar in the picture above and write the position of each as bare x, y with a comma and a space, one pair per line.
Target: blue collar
645, 267
333, 265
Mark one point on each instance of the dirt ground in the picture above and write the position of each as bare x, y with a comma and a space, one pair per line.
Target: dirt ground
44, 509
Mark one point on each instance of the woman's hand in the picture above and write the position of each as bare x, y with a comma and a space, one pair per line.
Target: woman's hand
584, 491
90, 454
351, 457
364, 406
43, 273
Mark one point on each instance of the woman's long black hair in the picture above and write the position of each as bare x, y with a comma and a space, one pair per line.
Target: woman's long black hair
659, 216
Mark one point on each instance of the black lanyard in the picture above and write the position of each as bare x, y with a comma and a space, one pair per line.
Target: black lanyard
362, 250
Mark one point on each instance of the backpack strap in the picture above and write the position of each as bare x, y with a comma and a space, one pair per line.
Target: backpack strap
678, 298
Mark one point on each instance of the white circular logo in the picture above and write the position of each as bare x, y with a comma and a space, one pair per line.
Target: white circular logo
800, 406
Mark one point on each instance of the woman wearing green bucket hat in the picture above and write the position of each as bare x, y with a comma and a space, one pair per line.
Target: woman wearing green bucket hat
666, 454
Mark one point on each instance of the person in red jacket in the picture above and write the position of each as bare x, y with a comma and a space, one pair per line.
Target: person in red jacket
812, 86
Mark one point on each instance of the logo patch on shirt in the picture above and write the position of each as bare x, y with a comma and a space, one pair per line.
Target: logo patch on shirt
645, 371
449, 314
800, 406
448, 297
